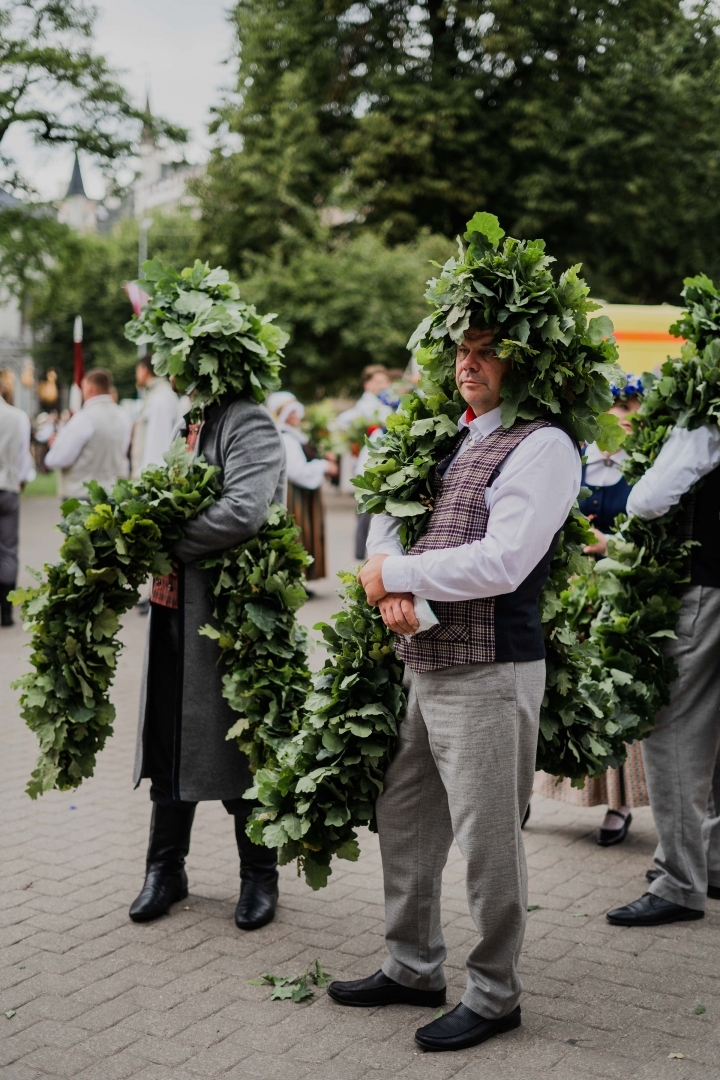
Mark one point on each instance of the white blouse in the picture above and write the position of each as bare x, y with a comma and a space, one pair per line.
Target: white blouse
300, 471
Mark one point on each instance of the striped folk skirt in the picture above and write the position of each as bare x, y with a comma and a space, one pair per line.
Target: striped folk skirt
616, 788
307, 508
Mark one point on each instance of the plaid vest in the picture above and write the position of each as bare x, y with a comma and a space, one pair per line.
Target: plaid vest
469, 630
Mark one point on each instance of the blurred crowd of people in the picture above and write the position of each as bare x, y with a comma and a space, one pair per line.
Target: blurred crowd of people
106, 440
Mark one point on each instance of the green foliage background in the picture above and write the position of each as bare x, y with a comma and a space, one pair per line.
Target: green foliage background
358, 138
594, 125
86, 277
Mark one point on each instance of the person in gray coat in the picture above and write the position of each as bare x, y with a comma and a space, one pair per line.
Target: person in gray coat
184, 718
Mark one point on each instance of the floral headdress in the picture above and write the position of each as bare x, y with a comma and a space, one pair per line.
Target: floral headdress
560, 364
633, 388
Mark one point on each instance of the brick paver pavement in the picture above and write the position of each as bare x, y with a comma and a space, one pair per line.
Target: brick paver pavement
98, 997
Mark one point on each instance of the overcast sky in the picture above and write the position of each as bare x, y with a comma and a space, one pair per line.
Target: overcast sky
174, 48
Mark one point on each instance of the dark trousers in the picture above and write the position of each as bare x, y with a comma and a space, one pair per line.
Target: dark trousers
362, 528
9, 526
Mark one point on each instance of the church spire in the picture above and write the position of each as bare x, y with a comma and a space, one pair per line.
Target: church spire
76, 186
147, 136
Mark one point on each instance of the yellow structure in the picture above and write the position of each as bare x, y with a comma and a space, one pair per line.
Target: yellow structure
642, 334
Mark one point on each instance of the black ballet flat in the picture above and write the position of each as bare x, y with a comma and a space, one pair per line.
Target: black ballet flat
608, 837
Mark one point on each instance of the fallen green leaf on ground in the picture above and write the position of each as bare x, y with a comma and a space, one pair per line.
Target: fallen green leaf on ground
533, 907
438, 1014
295, 988
699, 1010
10, 1013
676, 1056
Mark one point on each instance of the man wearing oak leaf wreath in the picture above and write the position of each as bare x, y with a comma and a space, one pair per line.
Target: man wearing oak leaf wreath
465, 758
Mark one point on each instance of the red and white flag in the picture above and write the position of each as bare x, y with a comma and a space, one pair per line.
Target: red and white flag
75, 402
137, 297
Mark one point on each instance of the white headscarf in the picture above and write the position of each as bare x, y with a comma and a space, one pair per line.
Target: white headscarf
283, 404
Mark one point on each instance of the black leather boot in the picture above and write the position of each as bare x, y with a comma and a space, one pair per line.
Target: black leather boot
165, 878
6, 608
258, 881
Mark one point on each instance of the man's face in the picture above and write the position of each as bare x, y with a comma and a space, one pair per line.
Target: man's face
377, 382
88, 389
142, 375
624, 410
478, 372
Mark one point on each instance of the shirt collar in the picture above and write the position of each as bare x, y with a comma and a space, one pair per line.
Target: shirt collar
480, 426
593, 455
97, 400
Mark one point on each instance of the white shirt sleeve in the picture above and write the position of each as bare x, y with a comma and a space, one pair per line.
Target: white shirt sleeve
383, 538
300, 471
528, 503
71, 438
161, 418
685, 458
26, 468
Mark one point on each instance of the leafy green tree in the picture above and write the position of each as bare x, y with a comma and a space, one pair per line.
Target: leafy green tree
594, 124
86, 278
347, 304
54, 86
291, 113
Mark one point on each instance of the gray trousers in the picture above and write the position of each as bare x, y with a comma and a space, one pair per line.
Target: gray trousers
9, 522
682, 758
464, 767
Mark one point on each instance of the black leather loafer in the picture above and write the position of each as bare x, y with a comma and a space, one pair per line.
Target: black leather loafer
651, 910
462, 1027
157, 895
608, 837
378, 989
257, 903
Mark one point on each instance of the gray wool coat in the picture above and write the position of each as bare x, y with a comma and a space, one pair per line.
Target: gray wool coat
241, 437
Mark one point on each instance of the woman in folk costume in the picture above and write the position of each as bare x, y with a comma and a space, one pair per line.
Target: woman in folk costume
305, 474
621, 790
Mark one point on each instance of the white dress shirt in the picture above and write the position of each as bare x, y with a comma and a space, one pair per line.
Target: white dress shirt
528, 502
25, 461
300, 471
685, 458
21, 452
601, 470
160, 416
65, 451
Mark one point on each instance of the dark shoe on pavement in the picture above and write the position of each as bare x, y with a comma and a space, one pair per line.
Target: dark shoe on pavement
526, 818
165, 878
258, 881
159, 892
378, 989
462, 1027
651, 910
608, 837
258, 900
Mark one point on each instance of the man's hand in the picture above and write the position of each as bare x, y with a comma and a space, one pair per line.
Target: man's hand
398, 612
370, 577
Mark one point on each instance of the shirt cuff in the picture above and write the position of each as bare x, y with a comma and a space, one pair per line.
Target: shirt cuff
396, 573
